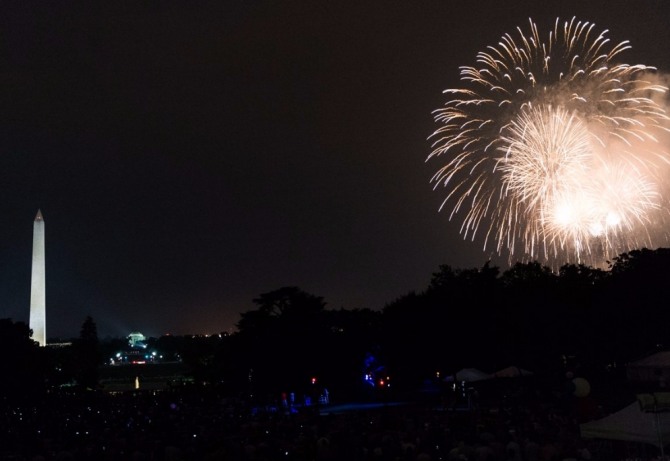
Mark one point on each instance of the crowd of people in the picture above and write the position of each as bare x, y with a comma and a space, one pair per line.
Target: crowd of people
194, 423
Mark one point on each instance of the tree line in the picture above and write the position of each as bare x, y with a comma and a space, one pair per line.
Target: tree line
527, 316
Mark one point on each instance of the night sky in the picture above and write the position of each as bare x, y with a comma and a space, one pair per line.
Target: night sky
189, 156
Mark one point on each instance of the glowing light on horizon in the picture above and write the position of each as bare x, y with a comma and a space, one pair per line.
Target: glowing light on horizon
554, 151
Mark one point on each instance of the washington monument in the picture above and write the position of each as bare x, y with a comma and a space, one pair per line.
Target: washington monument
37, 286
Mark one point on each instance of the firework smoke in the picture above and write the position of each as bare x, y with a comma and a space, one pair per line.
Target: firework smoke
555, 150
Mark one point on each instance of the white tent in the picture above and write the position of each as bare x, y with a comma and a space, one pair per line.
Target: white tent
652, 369
468, 375
630, 424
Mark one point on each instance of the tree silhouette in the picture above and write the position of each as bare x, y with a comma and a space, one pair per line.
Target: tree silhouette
283, 338
87, 355
23, 361
635, 309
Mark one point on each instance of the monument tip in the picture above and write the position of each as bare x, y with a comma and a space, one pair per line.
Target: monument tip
39, 217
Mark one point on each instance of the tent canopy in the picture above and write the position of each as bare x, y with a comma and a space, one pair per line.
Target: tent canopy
468, 375
658, 360
630, 424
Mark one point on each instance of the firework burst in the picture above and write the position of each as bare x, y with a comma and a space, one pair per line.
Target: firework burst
553, 150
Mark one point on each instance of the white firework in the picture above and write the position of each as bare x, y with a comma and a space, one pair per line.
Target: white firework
553, 148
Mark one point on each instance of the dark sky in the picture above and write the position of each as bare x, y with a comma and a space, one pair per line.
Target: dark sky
189, 156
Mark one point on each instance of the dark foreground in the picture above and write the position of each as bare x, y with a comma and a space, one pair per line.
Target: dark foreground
195, 423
